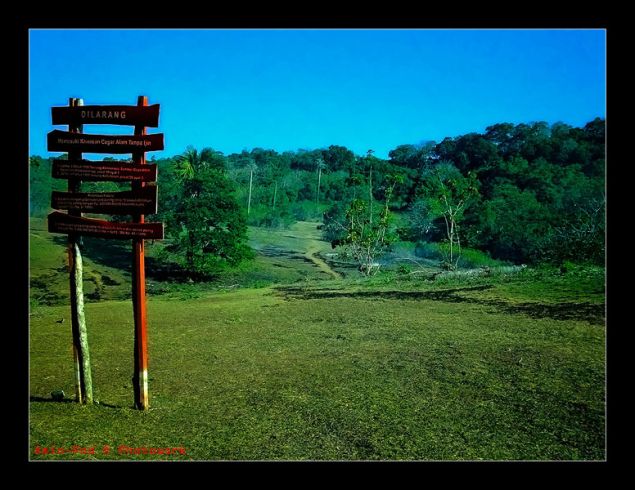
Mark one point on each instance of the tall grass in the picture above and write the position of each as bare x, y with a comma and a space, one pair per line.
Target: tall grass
469, 258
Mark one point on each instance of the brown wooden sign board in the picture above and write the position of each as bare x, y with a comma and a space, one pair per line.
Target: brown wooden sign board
103, 171
139, 201
107, 114
97, 143
64, 223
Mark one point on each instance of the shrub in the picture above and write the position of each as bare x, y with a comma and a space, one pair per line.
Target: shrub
472, 258
430, 251
404, 269
266, 217
306, 211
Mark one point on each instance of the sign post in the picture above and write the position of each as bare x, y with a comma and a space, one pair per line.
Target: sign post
140, 375
140, 200
81, 354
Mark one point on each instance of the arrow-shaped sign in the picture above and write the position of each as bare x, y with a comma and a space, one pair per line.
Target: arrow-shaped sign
107, 114
63, 223
97, 143
140, 201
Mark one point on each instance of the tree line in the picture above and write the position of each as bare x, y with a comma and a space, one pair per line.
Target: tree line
524, 193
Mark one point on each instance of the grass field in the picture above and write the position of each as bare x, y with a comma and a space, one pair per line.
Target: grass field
296, 363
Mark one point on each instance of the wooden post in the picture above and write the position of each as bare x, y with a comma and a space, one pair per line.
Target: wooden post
83, 376
140, 375
137, 201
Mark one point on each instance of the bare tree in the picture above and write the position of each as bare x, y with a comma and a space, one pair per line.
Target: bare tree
252, 167
365, 240
369, 155
448, 193
275, 194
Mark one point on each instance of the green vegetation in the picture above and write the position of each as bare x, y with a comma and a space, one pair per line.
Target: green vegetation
104, 278
283, 257
524, 193
267, 342
508, 365
367, 235
208, 227
341, 371
447, 194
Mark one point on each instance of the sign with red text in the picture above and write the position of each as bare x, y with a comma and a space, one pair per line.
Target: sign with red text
107, 114
95, 143
64, 223
104, 171
139, 201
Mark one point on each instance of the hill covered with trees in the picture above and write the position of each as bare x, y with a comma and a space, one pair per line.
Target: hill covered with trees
523, 193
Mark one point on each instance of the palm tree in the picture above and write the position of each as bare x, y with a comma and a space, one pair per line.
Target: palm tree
192, 162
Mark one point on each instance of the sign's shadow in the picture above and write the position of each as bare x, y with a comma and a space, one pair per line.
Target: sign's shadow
41, 399
109, 253
117, 254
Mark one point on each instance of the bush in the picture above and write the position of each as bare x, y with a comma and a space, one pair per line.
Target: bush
266, 217
472, 258
581, 242
403, 248
306, 211
428, 250
404, 269
333, 218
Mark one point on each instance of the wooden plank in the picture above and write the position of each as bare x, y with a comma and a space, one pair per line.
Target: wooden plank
64, 223
107, 114
101, 143
127, 202
87, 170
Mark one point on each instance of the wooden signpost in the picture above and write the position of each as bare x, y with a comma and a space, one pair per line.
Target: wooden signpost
140, 200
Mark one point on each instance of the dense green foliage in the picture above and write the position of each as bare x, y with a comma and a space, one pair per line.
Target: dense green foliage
294, 356
536, 194
206, 224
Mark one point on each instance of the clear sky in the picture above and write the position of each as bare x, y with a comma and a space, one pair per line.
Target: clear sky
291, 89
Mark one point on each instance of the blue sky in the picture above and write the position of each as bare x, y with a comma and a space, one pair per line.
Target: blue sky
291, 89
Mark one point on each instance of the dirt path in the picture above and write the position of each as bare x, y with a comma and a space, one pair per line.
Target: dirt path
323, 266
302, 239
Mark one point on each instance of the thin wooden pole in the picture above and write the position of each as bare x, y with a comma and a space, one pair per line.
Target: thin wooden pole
140, 375
83, 375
